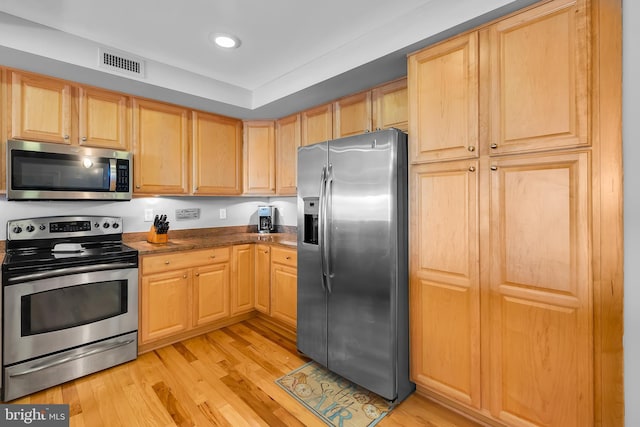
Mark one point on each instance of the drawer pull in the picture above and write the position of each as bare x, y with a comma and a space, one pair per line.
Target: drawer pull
167, 263
213, 256
288, 257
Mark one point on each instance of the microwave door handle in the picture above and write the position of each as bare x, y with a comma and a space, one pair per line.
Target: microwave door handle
112, 174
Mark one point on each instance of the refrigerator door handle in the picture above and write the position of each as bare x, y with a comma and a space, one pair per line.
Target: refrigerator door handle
327, 231
322, 225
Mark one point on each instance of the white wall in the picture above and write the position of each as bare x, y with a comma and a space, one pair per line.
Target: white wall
631, 156
240, 211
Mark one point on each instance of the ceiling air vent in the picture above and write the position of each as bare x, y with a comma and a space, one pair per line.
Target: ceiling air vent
121, 63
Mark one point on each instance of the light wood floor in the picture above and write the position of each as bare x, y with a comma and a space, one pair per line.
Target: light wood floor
222, 378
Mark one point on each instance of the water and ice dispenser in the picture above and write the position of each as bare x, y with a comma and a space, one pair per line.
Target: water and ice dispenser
311, 205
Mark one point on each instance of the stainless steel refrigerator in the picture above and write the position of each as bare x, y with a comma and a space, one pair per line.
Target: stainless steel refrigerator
352, 260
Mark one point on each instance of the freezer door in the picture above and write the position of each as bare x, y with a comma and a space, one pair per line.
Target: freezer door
363, 209
312, 301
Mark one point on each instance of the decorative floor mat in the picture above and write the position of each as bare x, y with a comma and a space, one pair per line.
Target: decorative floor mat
333, 399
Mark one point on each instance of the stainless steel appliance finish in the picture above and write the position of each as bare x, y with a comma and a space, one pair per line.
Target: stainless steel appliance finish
70, 301
45, 171
352, 259
265, 219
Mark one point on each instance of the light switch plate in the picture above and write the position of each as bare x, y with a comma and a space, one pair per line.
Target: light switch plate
223, 213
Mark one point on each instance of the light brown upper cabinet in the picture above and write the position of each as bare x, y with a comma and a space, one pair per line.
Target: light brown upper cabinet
216, 154
52, 110
391, 105
352, 115
287, 143
382, 107
161, 148
537, 79
317, 124
3, 129
259, 157
443, 100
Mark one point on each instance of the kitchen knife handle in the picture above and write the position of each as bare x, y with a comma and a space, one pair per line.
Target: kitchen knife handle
322, 226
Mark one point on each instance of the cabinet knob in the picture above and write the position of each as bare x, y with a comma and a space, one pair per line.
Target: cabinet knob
212, 256
471, 148
288, 257
166, 263
137, 186
66, 137
472, 168
197, 274
84, 138
494, 146
184, 276
266, 252
494, 168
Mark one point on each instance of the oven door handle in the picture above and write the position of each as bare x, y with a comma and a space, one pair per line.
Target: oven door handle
98, 348
68, 271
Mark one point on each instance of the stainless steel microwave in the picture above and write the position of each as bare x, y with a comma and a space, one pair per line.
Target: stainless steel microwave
45, 171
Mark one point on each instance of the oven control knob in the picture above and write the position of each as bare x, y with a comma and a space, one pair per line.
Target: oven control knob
115, 225
30, 228
42, 227
105, 225
17, 229
96, 225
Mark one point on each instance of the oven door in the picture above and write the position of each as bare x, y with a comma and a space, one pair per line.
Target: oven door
62, 312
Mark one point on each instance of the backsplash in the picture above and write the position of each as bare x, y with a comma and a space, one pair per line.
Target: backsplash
240, 211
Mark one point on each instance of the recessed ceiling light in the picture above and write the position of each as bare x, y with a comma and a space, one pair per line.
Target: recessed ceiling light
226, 41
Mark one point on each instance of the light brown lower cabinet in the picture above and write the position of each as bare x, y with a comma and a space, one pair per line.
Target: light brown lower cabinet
284, 285
242, 278
186, 293
263, 279
501, 289
181, 291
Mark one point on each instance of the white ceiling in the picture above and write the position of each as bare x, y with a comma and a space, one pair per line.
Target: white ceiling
288, 46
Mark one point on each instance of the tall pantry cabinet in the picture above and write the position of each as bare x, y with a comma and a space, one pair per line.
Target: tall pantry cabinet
511, 190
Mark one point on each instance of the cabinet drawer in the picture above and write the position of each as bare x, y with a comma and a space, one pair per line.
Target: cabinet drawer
284, 256
175, 260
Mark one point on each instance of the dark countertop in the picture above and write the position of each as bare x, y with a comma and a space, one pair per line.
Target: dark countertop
208, 241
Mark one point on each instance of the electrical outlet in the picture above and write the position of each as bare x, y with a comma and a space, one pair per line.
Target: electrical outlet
223, 213
148, 215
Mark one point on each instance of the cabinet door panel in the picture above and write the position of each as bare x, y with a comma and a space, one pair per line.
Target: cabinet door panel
391, 106
165, 305
210, 293
217, 154
287, 143
444, 284
538, 73
103, 119
263, 279
317, 124
242, 283
540, 284
284, 293
161, 148
259, 157
443, 100
40, 108
352, 115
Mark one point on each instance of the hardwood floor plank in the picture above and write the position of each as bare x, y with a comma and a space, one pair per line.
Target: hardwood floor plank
223, 378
